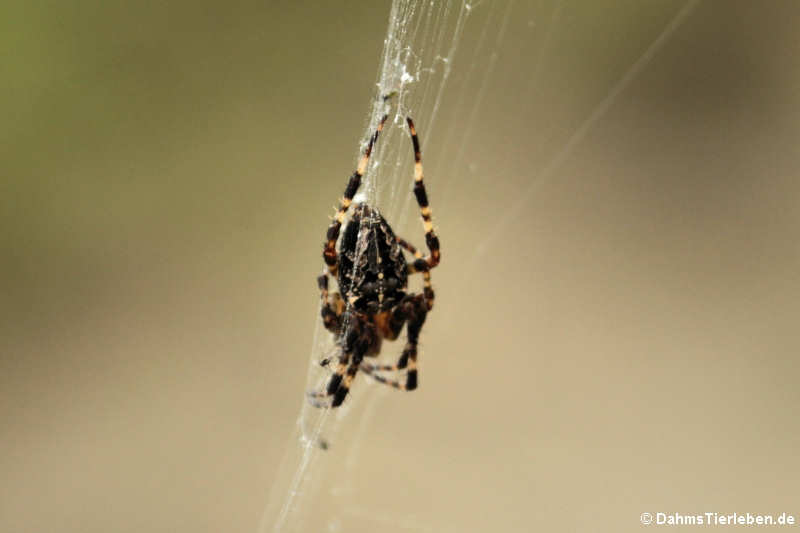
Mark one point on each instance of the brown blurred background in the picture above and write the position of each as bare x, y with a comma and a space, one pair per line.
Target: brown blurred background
627, 342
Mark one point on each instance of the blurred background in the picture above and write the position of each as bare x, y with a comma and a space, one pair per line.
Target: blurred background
618, 338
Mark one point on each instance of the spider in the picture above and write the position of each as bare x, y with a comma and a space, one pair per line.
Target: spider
372, 273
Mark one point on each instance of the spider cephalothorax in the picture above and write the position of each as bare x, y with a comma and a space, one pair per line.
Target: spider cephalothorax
372, 303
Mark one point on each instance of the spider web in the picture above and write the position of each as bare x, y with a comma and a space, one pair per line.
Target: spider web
438, 63
420, 47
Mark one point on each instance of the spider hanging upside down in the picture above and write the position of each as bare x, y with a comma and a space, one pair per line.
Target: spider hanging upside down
372, 274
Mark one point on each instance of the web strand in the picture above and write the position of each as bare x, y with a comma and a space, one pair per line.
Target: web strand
575, 139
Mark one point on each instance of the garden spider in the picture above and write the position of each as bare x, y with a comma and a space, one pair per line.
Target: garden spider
372, 273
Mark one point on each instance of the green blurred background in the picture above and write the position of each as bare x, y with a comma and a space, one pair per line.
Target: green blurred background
627, 343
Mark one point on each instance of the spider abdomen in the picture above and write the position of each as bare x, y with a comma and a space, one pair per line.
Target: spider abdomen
372, 268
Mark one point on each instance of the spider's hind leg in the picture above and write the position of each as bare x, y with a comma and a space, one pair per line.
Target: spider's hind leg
421, 194
332, 305
329, 252
420, 265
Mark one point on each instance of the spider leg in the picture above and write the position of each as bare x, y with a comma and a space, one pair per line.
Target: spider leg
331, 311
417, 310
386, 381
329, 251
344, 386
370, 368
422, 199
426, 274
340, 382
318, 398
355, 344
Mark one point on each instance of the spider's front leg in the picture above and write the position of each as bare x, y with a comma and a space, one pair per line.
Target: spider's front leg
341, 386
316, 397
356, 342
413, 311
